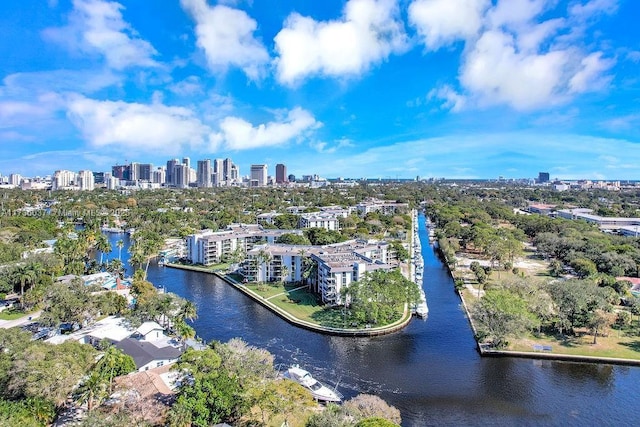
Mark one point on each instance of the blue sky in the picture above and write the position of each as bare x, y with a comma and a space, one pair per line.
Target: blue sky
358, 88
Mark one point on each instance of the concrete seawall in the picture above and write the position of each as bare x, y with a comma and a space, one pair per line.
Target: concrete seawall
388, 329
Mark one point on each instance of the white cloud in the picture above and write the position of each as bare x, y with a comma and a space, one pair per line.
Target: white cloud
136, 127
97, 26
26, 84
238, 134
367, 33
226, 36
325, 148
442, 22
590, 75
496, 73
452, 100
523, 61
593, 7
29, 113
622, 123
187, 87
514, 13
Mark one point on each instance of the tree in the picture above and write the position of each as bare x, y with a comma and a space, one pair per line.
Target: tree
375, 422
369, 406
120, 245
103, 245
555, 268
51, 371
379, 296
584, 267
598, 321
68, 302
25, 276
501, 314
211, 395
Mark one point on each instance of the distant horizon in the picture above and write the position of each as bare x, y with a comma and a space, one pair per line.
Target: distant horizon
462, 89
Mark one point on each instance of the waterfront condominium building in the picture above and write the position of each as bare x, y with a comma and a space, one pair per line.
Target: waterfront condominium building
281, 173
204, 173
258, 175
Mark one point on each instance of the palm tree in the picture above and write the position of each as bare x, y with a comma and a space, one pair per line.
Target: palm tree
103, 245
25, 275
265, 258
188, 311
120, 244
93, 389
184, 331
284, 272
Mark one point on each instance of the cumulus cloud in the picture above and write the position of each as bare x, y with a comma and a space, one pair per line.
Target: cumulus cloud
516, 57
238, 134
227, 37
136, 127
367, 33
495, 72
97, 26
442, 22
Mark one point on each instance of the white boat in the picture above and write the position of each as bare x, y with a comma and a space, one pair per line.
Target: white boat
319, 391
421, 309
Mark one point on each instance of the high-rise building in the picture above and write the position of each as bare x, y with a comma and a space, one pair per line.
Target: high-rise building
98, 177
62, 179
227, 167
85, 180
543, 177
145, 171
181, 175
258, 175
159, 176
204, 173
218, 172
281, 173
121, 172
170, 172
15, 179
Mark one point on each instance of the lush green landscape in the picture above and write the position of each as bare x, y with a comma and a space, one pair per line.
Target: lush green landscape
528, 279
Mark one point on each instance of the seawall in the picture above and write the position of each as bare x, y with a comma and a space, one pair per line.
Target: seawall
375, 331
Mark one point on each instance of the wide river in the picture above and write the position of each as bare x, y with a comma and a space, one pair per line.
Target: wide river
430, 370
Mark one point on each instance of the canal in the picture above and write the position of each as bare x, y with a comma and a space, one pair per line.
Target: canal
430, 370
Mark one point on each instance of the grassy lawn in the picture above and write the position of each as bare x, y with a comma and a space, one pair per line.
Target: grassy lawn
12, 314
617, 344
266, 290
304, 305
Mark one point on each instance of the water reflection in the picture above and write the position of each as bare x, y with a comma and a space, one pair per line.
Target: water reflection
430, 370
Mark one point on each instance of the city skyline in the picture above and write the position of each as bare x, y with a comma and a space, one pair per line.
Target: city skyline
358, 88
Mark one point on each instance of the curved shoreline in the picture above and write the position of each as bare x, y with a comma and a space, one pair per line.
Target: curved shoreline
372, 332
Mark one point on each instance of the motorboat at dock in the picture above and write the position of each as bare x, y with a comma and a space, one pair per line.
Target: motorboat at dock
319, 391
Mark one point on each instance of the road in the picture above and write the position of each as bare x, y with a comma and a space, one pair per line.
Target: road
20, 321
